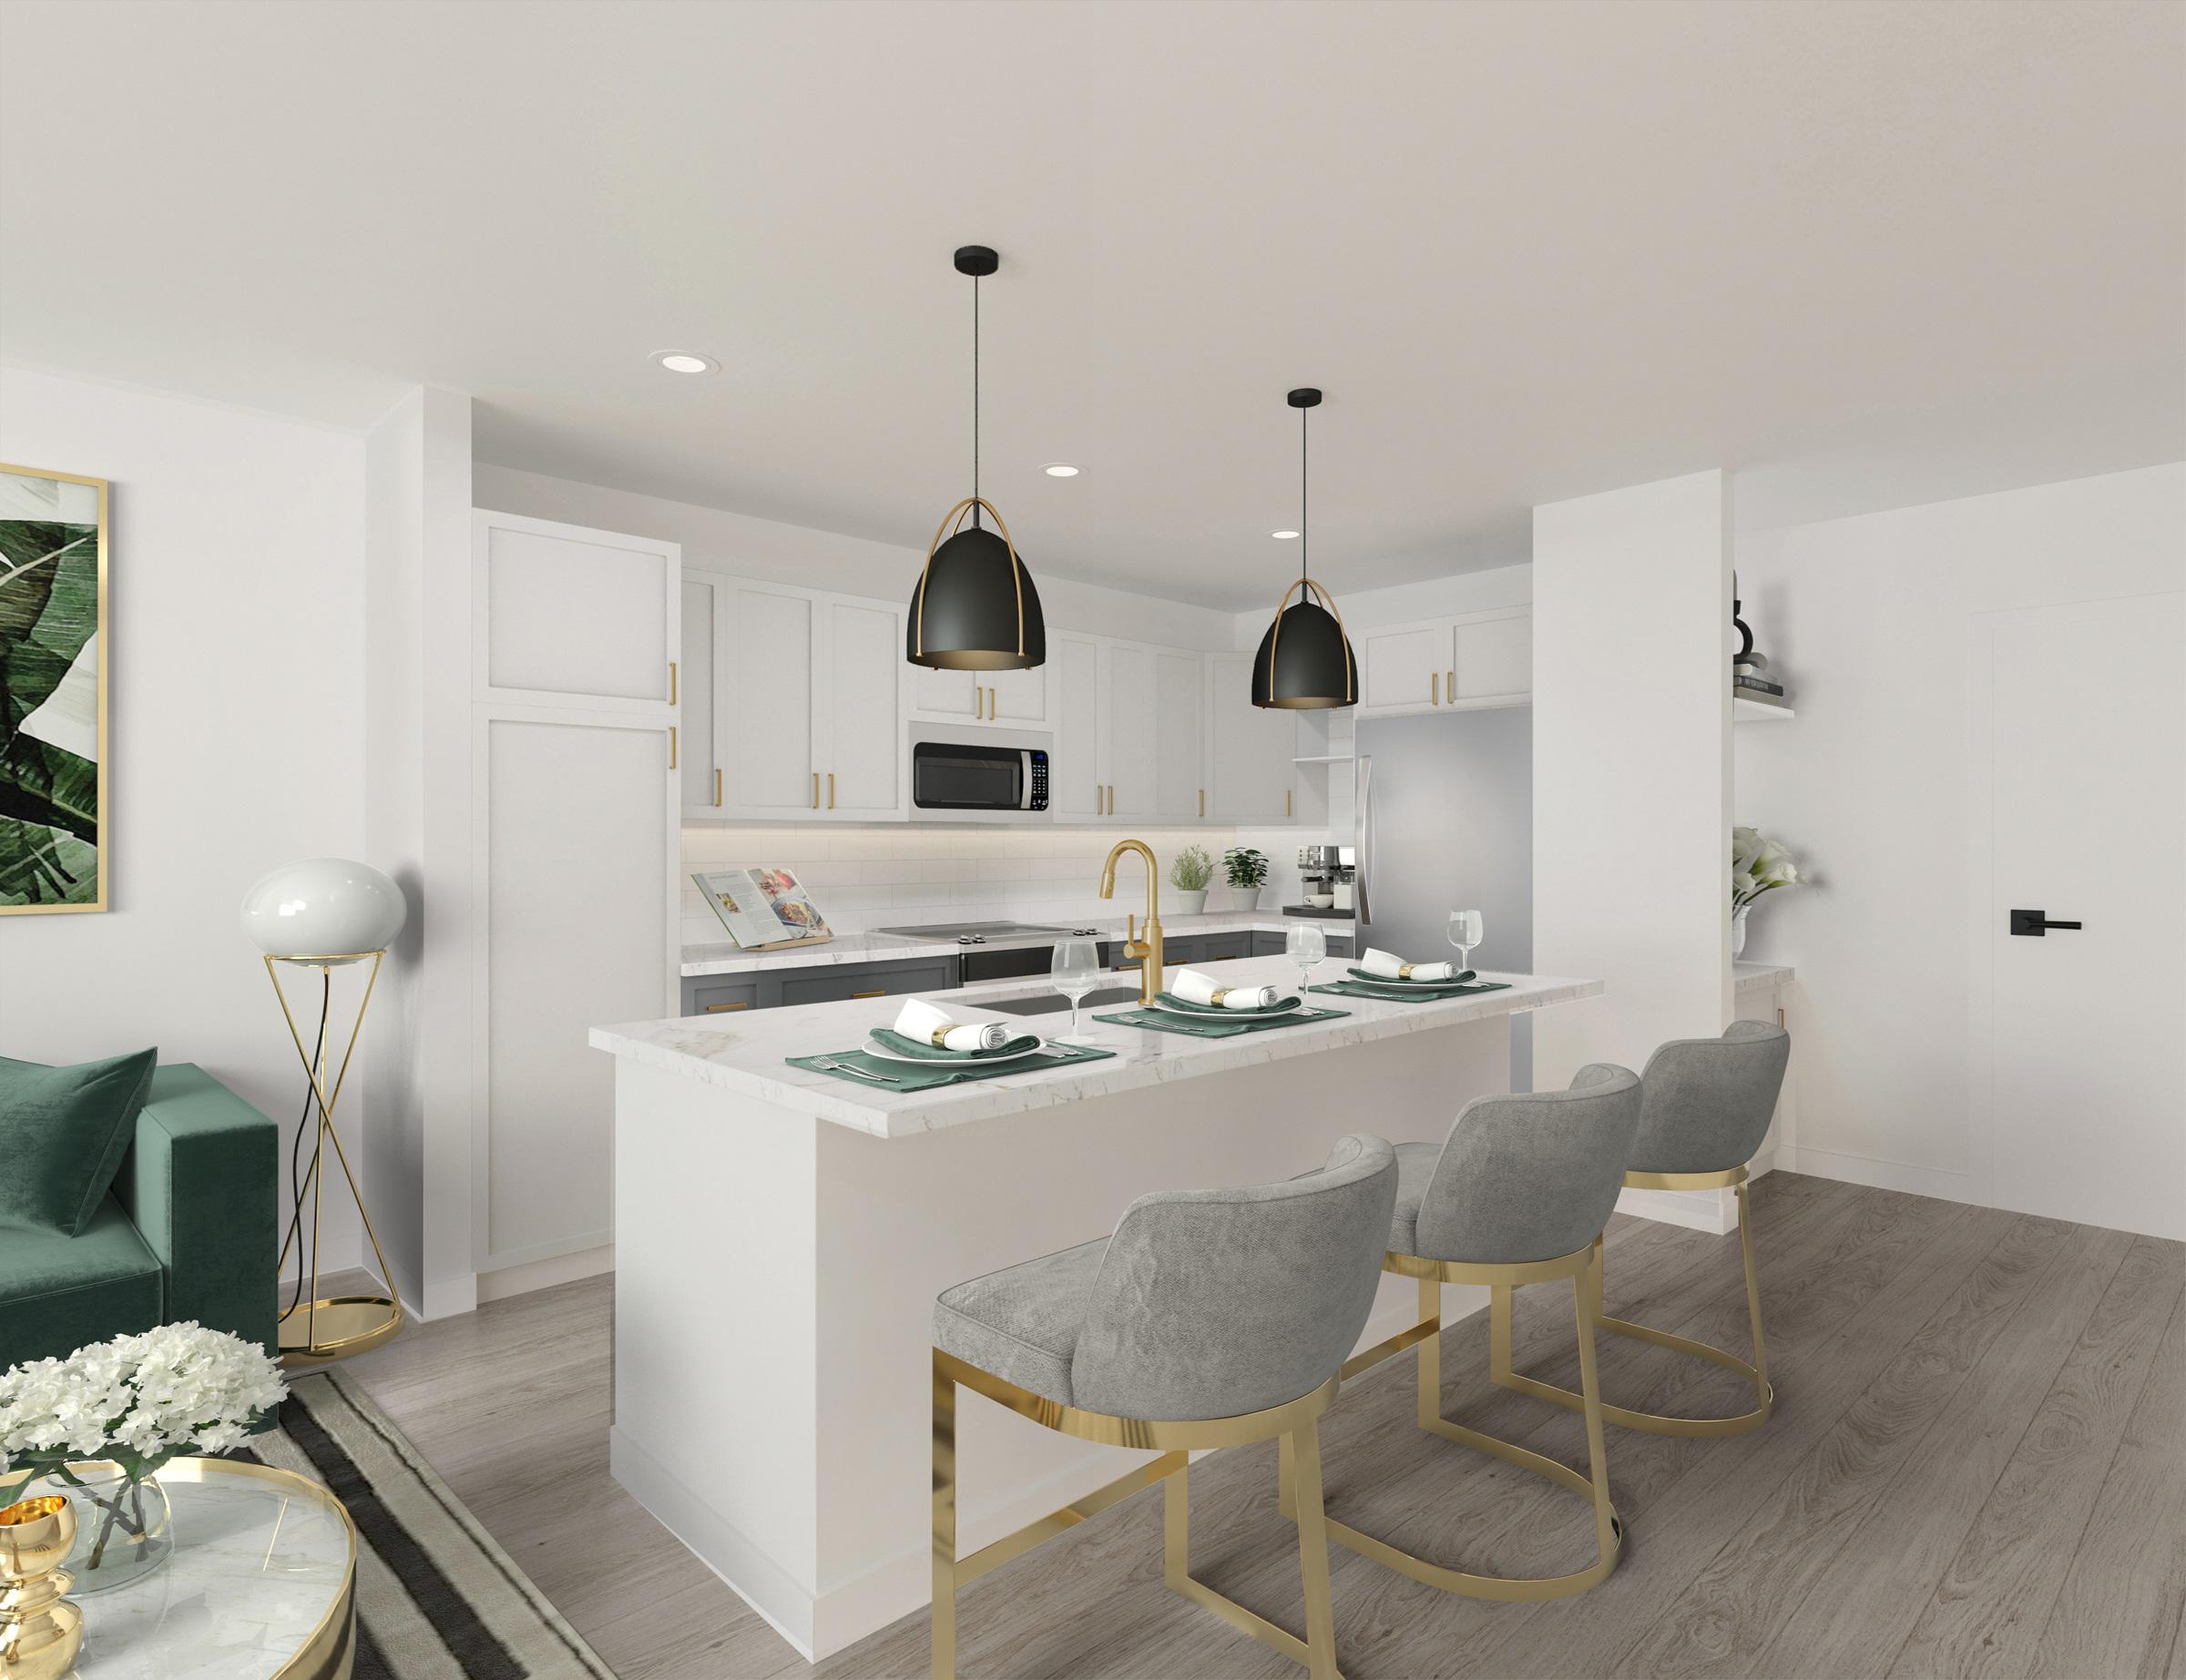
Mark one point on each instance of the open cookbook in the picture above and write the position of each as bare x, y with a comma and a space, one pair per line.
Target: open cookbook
764, 907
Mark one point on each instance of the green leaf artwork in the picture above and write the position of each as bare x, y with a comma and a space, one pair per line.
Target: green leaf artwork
52, 692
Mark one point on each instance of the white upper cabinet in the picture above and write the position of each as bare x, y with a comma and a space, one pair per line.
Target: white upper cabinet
1078, 786
857, 724
1250, 771
958, 695
705, 637
763, 700
1468, 662
1018, 697
1180, 736
565, 616
1133, 731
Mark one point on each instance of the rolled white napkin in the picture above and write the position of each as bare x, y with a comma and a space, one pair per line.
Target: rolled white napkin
920, 1020
1194, 987
1392, 967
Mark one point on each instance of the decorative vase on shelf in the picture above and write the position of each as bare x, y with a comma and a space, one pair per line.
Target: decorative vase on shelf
1738, 932
124, 1529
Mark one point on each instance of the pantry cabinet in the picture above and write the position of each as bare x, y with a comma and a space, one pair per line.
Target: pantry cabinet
1467, 662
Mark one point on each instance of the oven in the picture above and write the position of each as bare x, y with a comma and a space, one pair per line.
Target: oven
1000, 776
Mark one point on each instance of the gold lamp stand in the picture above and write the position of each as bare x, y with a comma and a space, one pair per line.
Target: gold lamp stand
317, 1327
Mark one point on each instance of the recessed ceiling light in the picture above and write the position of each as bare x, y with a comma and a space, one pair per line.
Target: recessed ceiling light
686, 362
1061, 469
1285, 535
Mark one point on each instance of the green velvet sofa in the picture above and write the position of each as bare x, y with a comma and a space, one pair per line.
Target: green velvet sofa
188, 1231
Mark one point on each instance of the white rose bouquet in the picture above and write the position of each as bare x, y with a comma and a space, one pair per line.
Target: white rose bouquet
134, 1401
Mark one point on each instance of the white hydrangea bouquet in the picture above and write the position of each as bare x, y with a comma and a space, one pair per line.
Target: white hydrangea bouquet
134, 1402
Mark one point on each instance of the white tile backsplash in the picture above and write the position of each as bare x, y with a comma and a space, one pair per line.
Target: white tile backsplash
897, 875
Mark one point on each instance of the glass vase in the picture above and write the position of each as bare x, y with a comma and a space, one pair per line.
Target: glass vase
124, 1529
1738, 932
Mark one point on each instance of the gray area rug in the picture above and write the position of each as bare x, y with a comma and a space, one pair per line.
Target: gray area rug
436, 1598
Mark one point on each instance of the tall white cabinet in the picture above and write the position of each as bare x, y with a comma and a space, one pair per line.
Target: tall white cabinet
578, 774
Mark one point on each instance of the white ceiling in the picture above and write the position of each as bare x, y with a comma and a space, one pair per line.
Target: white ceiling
1531, 250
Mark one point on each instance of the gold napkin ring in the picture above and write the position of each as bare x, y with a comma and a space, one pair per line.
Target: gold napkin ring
1217, 996
1404, 970
940, 1037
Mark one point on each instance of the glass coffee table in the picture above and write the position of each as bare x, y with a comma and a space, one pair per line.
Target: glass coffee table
261, 1585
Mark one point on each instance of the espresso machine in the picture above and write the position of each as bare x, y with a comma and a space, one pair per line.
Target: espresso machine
1323, 874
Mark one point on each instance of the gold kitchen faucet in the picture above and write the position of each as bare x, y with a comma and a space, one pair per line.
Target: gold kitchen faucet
1148, 949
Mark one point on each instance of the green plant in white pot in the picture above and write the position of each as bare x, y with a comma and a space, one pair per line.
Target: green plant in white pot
1245, 868
1189, 874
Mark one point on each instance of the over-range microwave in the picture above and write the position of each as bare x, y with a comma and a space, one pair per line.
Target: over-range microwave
999, 775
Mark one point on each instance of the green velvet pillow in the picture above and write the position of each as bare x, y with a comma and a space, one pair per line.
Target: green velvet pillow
63, 1132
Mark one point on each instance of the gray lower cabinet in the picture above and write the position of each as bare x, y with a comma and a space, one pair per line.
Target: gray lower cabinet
721, 994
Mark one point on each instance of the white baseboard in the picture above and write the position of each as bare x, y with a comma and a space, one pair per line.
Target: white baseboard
446, 1298
1712, 1211
498, 1286
1946, 1184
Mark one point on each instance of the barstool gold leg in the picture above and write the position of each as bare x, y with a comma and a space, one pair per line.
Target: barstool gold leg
1313, 1553
1586, 1295
945, 1526
1745, 1242
1286, 1478
1430, 1352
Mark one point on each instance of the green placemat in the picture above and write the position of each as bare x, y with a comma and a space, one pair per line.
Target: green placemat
1192, 1026
1409, 994
902, 1076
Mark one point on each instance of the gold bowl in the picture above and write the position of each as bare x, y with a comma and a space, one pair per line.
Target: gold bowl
34, 1536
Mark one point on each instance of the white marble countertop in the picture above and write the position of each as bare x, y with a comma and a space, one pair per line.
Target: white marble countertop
746, 1055
1757, 977
726, 958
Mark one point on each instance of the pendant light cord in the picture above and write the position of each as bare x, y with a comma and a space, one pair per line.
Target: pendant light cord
1305, 526
975, 402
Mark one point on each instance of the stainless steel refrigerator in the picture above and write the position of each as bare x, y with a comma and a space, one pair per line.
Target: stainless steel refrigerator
1444, 821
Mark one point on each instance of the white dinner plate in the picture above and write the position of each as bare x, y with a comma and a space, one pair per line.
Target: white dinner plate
874, 1047
1234, 1015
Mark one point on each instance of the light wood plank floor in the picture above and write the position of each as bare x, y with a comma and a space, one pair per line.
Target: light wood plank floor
1976, 1467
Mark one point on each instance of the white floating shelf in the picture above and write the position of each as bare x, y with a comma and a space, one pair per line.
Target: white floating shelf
1327, 758
1748, 708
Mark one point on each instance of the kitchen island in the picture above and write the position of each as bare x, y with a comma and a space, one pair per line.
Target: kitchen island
781, 1235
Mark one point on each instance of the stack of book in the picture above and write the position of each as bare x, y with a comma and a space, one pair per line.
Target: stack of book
1750, 675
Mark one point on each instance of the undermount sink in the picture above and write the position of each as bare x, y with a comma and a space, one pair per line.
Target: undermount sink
1053, 1002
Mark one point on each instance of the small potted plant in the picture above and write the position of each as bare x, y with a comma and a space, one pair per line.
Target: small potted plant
97, 1427
1189, 874
1246, 869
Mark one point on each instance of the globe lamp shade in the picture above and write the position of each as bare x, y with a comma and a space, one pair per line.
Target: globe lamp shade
965, 609
1305, 662
323, 907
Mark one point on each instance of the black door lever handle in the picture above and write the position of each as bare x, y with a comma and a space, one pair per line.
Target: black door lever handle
2034, 925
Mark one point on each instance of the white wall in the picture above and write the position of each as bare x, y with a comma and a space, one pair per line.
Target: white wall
764, 548
1631, 790
237, 727
1866, 617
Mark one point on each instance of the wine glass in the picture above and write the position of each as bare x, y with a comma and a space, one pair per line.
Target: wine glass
1072, 968
1464, 932
1305, 944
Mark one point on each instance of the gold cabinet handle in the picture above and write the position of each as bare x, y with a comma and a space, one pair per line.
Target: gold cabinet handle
717, 784
1434, 689
672, 681
671, 746
815, 790
979, 700
1450, 686
1286, 801
722, 1009
993, 707
1202, 803
831, 791
859, 995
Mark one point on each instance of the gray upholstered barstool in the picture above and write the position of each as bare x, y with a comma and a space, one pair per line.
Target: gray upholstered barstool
1705, 1107
1516, 1193
1210, 1319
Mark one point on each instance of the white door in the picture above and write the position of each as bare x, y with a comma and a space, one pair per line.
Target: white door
1491, 659
1077, 789
766, 720
705, 635
1179, 731
1401, 668
1017, 696
1250, 768
576, 879
957, 696
2078, 733
564, 614
858, 721
1133, 731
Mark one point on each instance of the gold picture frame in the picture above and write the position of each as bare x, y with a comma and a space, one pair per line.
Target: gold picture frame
43, 866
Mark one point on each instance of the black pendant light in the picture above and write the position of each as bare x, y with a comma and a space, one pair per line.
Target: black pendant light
1305, 660
974, 608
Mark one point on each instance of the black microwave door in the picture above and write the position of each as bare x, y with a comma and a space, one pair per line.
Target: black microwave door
945, 777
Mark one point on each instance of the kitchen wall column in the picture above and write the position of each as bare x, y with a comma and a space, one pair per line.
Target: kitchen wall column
1632, 775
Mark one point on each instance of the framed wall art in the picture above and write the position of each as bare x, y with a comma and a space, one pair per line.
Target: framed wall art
53, 691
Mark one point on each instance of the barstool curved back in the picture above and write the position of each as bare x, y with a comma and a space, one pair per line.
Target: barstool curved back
1518, 1193
1531, 1176
1214, 1303
1705, 1107
1707, 1101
